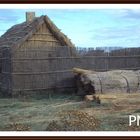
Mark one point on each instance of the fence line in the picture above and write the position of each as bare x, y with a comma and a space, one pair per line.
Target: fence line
80, 57
34, 69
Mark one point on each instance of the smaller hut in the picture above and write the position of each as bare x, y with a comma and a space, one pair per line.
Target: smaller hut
115, 81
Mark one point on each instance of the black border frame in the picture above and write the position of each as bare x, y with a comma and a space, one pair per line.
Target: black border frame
69, 138
69, 1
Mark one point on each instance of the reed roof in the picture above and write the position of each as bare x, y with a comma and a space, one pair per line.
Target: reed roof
19, 33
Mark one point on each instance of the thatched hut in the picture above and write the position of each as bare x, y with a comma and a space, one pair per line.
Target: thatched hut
26, 50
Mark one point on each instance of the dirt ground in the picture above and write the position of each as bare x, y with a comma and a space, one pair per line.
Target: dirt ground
68, 113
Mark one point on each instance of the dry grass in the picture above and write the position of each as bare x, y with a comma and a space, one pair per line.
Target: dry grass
68, 114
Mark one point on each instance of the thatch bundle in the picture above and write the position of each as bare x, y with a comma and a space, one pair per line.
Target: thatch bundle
115, 81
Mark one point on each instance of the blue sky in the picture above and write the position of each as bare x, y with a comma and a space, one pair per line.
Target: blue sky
86, 28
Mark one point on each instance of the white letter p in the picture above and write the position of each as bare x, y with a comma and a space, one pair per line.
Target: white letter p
132, 118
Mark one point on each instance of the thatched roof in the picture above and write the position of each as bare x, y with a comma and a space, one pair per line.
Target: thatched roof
19, 33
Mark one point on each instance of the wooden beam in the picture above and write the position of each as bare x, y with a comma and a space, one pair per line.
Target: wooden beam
33, 89
43, 40
82, 57
3, 58
43, 34
5, 47
35, 50
37, 73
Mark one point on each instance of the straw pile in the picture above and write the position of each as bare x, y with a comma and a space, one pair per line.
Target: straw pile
74, 120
